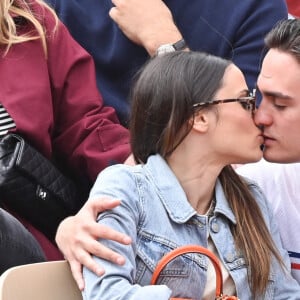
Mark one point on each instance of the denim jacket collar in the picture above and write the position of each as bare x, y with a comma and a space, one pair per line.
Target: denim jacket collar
173, 196
222, 205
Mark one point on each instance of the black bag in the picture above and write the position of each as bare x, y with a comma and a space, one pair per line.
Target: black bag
33, 187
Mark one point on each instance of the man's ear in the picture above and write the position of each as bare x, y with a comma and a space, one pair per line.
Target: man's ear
200, 122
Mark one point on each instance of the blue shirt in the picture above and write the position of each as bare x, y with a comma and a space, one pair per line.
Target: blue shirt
233, 29
157, 215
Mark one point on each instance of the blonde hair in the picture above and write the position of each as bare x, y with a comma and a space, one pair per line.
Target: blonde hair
10, 9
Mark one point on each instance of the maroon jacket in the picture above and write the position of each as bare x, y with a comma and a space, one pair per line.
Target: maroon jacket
56, 105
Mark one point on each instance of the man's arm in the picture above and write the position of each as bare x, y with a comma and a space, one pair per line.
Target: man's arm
77, 237
153, 19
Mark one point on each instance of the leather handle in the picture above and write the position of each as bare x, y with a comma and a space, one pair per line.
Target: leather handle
191, 249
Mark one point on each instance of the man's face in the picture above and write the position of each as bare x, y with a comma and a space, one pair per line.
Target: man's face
279, 111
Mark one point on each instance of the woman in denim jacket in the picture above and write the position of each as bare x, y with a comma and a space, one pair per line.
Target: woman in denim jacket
191, 119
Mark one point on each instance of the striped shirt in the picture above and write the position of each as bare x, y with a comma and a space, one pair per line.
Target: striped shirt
6, 122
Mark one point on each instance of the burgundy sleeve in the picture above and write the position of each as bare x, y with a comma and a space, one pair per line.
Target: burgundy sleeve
86, 134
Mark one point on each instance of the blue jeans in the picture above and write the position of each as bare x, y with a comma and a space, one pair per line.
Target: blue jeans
17, 245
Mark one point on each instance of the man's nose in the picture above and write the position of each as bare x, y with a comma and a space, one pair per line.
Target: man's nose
262, 116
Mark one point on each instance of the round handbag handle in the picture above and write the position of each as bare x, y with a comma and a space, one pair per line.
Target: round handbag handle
191, 249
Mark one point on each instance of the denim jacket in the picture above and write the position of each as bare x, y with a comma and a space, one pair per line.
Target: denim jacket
155, 212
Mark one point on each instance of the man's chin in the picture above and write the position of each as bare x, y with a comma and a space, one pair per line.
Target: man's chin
280, 157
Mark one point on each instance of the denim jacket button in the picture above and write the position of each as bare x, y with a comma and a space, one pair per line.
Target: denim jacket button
229, 257
215, 227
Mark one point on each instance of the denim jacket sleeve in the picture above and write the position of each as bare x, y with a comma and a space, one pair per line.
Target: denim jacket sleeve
118, 281
286, 287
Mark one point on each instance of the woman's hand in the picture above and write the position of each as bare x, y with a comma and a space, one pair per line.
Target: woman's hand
145, 22
77, 238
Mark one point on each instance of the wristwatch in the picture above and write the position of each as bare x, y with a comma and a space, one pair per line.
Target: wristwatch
166, 48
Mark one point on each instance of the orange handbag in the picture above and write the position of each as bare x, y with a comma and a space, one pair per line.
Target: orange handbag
194, 249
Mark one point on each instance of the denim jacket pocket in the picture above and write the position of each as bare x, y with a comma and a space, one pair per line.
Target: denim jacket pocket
185, 275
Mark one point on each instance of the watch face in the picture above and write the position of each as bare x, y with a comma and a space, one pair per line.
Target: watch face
165, 49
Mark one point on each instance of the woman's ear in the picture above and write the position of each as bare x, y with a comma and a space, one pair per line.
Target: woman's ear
200, 122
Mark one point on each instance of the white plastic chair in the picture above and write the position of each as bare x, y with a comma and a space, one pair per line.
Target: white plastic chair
39, 281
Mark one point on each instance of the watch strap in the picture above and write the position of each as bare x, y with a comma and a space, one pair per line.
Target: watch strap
180, 45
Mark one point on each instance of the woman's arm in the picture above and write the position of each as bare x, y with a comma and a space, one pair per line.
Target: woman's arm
87, 135
120, 281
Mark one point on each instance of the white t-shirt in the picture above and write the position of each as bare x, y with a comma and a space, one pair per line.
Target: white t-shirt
210, 288
280, 183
